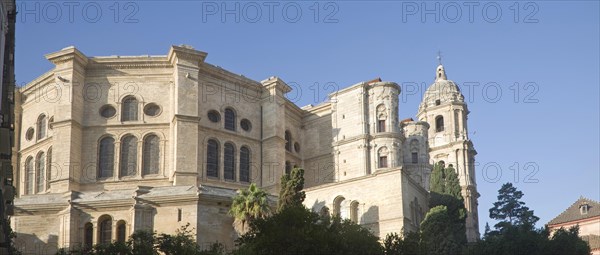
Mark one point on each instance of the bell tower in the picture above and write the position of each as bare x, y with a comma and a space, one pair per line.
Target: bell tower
444, 109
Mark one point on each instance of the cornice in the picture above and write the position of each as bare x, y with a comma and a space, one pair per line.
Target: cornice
185, 118
129, 64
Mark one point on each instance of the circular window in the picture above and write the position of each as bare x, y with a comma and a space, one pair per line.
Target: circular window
246, 125
297, 147
29, 134
107, 111
214, 116
152, 109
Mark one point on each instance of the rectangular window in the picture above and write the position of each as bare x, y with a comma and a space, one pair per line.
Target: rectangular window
383, 162
415, 158
381, 126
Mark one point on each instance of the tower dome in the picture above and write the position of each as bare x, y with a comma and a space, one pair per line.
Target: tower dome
441, 91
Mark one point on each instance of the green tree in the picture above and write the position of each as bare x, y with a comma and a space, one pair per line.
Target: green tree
439, 234
452, 185
510, 210
395, 244
114, 248
142, 243
250, 204
291, 193
567, 242
297, 230
182, 243
436, 181
446, 192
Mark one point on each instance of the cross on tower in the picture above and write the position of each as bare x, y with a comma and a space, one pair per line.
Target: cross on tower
439, 57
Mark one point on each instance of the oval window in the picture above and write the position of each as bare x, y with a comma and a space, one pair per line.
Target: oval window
152, 109
246, 125
214, 116
108, 111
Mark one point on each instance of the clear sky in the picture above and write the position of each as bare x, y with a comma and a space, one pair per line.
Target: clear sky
529, 70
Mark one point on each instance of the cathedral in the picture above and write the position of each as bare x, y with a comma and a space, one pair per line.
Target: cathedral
105, 146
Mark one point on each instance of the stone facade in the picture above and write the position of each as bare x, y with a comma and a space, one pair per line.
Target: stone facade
110, 145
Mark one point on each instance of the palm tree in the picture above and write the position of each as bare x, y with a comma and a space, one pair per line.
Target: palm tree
250, 204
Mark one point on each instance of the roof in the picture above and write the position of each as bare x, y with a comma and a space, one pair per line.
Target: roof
407, 120
573, 214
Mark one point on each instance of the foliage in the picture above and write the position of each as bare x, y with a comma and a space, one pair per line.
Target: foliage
297, 230
147, 243
181, 243
446, 192
516, 233
411, 244
515, 240
142, 243
510, 210
567, 242
250, 204
439, 234
452, 185
436, 183
291, 194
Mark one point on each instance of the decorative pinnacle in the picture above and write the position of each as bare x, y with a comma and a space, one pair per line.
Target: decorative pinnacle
439, 57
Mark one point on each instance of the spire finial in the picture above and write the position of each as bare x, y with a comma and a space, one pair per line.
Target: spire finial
439, 57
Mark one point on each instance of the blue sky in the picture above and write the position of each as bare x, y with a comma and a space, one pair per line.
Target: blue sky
544, 60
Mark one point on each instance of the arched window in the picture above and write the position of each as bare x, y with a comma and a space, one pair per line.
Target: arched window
381, 118
128, 156
212, 158
354, 211
337, 206
439, 123
40, 172
129, 109
29, 176
121, 231
106, 157
288, 141
48, 167
229, 119
88, 236
414, 149
105, 230
244, 164
229, 162
383, 157
151, 154
41, 126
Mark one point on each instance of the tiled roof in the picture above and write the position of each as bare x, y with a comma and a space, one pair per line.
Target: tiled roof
573, 213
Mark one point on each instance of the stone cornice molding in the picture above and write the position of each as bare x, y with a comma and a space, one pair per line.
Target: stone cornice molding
129, 64
275, 82
177, 53
185, 118
67, 54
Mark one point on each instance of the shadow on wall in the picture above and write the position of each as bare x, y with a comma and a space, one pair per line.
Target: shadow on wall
317, 206
370, 220
32, 244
